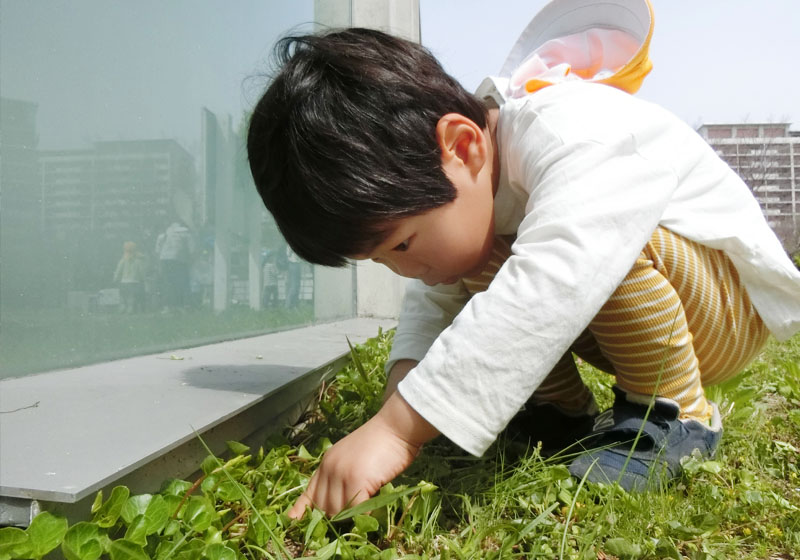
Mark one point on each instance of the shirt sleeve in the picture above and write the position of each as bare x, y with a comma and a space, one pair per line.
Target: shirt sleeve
595, 199
425, 313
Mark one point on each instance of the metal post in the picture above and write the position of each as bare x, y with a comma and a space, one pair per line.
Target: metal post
378, 291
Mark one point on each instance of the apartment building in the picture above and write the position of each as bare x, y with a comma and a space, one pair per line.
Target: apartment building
767, 157
116, 189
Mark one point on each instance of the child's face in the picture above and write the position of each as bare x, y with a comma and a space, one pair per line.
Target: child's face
447, 243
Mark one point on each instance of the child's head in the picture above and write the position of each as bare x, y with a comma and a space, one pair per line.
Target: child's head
129, 248
344, 141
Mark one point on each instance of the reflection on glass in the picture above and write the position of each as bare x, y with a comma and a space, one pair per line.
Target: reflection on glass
128, 222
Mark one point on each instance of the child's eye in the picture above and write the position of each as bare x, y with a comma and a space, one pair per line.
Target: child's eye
402, 246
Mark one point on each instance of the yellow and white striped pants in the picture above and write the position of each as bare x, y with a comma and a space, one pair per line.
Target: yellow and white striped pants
678, 321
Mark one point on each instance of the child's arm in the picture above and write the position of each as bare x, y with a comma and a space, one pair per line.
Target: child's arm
399, 370
426, 312
358, 465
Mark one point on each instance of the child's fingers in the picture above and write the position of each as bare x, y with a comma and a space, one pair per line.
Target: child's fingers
351, 496
330, 501
298, 510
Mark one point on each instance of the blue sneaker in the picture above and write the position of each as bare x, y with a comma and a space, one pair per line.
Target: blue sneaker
656, 456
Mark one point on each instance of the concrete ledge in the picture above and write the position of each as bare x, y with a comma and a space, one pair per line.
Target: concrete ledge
66, 434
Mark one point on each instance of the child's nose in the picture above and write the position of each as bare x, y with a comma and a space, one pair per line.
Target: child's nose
387, 264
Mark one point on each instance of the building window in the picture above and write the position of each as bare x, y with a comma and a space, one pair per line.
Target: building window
715, 133
744, 131
775, 131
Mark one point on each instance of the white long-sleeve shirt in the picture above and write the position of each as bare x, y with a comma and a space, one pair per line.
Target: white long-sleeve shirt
586, 175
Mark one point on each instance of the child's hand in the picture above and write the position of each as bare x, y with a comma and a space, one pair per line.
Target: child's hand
359, 464
354, 469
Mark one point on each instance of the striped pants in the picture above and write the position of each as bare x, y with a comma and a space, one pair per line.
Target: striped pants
678, 321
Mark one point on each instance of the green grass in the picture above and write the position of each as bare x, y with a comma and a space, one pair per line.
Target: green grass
41, 340
743, 504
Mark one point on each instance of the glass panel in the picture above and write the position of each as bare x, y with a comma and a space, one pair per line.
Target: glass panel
128, 219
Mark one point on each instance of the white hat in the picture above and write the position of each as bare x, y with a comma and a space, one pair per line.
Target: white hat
567, 37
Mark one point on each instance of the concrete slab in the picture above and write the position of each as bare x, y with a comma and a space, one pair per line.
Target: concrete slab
66, 434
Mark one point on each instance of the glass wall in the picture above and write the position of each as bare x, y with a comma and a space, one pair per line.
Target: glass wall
128, 220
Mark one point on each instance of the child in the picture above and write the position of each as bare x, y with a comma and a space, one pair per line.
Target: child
130, 274
538, 220
269, 275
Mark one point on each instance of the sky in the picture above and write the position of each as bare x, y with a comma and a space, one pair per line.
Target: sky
132, 69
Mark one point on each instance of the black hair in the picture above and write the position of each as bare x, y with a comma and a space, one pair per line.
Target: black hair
343, 141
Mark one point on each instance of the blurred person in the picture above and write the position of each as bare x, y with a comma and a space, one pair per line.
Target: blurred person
130, 274
174, 249
201, 279
293, 276
269, 279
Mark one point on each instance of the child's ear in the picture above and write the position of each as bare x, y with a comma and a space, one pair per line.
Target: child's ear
461, 140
